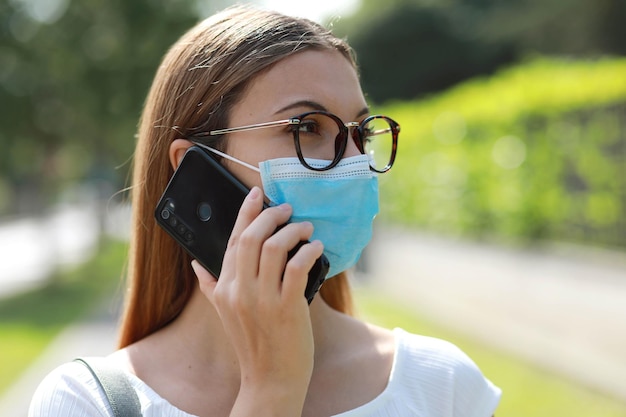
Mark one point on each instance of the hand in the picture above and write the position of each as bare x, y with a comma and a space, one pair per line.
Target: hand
262, 307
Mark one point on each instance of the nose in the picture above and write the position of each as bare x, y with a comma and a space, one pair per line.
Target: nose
352, 147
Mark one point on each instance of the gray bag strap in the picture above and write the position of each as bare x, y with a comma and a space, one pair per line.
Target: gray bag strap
116, 386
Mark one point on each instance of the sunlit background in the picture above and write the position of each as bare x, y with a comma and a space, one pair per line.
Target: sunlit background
502, 224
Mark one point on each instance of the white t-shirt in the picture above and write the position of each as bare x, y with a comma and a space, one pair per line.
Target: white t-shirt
429, 378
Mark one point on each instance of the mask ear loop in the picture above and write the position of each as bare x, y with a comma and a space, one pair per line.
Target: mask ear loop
226, 156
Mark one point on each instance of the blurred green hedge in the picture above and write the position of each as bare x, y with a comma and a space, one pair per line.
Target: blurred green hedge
536, 151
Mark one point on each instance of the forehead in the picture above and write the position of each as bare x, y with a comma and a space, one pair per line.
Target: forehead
321, 76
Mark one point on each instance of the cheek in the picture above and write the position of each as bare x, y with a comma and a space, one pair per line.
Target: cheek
248, 177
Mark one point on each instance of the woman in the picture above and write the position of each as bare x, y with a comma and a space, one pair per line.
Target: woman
249, 344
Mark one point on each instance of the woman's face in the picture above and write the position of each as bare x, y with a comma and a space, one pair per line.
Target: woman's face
306, 81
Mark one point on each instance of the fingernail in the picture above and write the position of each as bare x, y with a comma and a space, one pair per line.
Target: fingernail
195, 266
254, 193
285, 206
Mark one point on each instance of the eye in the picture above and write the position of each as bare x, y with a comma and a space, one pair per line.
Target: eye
309, 126
368, 134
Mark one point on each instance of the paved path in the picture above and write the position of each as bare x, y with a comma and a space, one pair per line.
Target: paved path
565, 310
65, 236
96, 336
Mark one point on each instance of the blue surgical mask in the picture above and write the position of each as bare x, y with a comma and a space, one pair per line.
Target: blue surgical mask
341, 203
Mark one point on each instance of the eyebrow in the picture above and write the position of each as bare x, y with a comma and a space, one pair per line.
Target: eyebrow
317, 106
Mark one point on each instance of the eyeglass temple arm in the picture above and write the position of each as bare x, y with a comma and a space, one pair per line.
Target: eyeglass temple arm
381, 131
252, 127
226, 156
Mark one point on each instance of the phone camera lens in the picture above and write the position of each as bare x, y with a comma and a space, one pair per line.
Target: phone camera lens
188, 236
173, 221
204, 211
165, 214
181, 229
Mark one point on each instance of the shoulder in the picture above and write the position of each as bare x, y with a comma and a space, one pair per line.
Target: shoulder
69, 389
440, 375
425, 351
72, 390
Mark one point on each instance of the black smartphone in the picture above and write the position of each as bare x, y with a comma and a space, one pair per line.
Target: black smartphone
199, 207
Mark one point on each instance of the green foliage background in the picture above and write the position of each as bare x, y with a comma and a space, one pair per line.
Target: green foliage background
408, 48
74, 75
73, 78
537, 151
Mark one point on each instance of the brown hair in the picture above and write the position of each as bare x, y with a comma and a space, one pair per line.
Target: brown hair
201, 77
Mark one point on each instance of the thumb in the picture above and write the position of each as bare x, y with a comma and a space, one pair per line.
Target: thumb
206, 280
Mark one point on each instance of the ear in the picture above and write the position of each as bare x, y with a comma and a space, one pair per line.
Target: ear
177, 150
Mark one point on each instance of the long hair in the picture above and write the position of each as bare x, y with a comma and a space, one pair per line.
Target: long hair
199, 80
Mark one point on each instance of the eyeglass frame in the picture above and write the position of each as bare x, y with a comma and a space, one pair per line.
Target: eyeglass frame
341, 140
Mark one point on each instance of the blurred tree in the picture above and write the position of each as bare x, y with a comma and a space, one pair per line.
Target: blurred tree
572, 27
73, 77
408, 48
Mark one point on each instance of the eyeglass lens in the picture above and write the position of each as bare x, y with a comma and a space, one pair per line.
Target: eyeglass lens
317, 133
320, 137
378, 142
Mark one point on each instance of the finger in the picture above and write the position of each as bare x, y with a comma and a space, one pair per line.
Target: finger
275, 252
206, 280
297, 270
252, 239
249, 210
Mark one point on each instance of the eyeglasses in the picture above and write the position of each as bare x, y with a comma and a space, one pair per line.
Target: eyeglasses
323, 136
